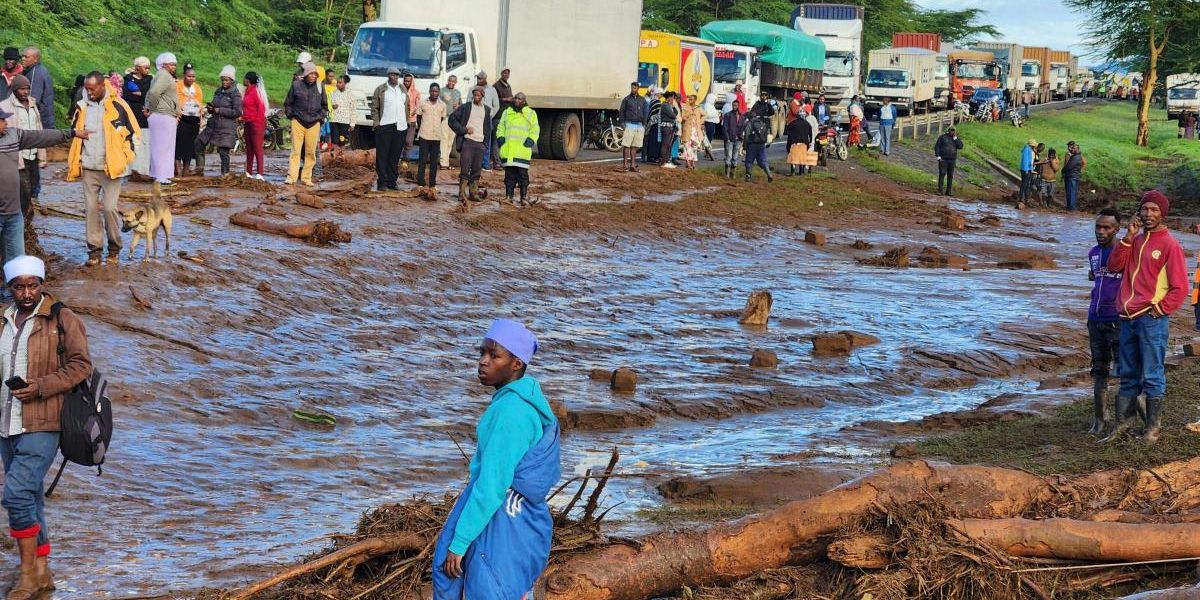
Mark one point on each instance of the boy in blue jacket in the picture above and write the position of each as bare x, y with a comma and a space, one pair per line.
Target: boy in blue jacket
496, 541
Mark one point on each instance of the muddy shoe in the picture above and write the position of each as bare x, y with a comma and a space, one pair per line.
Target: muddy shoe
45, 575
93, 259
28, 587
114, 257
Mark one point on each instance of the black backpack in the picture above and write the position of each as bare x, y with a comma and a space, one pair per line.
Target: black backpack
86, 417
759, 130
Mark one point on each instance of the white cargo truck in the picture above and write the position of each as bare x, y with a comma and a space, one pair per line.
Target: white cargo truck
941, 82
571, 58
906, 75
731, 64
840, 26
1183, 93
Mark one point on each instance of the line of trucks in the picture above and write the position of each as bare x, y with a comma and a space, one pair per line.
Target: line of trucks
574, 59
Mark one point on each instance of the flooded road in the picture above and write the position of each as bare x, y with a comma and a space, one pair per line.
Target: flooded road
211, 481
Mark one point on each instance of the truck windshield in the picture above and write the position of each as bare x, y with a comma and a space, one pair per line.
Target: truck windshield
977, 71
376, 49
942, 71
1181, 94
890, 78
647, 74
1031, 69
728, 66
839, 64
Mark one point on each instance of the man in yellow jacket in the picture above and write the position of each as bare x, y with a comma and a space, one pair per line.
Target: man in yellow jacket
102, 160
517, 134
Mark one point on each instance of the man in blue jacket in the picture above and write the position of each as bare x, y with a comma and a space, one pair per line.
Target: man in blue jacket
496, 541
1027, 160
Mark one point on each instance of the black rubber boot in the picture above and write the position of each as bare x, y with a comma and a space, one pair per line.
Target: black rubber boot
1153, 420
1100, 414
462, 191
770, 178
747, 175
1126, 415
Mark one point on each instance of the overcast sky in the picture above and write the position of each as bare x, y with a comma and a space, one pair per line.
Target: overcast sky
1041, 23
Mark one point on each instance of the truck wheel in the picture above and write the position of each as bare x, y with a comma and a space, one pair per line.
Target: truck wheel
566, 136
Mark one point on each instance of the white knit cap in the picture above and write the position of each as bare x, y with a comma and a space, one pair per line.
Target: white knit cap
166, 58
228, 71
141, 61
304, 57
24, 265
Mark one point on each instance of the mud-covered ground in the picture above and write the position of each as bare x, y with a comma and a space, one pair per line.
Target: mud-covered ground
211, 481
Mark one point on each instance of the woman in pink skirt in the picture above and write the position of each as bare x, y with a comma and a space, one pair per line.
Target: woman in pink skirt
162, 108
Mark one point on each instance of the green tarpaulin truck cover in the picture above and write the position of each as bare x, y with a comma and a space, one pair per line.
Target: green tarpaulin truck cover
780, 45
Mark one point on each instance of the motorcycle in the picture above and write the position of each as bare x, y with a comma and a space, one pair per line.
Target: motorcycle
831, 143
604, 132
274, 134
1014, 115
985, 112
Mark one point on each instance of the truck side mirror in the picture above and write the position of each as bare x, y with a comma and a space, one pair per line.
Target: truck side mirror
665, 79
755, 65
444, 42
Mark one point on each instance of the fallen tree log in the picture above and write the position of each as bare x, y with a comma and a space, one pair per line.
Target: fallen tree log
1085, 540
868, 551
319, 231
1183, 593
353, 158
359, 552
664, 563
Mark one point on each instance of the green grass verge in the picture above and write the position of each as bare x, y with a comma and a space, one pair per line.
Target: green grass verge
1056, 443
1104, 131
898, 172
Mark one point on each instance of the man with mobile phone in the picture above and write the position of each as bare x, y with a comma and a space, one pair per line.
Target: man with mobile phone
29, 414
1154, 284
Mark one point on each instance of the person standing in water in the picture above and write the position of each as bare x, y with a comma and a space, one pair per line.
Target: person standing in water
496, 541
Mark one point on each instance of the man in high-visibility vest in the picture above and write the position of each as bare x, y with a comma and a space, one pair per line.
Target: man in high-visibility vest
517, 134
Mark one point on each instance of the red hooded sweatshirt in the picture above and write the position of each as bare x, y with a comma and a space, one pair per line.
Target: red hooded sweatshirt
1155, 273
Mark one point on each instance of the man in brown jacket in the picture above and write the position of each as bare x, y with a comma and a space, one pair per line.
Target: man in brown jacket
35, 378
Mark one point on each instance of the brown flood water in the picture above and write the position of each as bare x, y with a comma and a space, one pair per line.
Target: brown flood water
212, 482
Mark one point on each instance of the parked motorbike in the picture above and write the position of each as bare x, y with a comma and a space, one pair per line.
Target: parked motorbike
831, 143
1014, 115
605, 132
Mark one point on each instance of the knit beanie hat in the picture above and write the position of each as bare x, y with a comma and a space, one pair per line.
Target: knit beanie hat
1157, 198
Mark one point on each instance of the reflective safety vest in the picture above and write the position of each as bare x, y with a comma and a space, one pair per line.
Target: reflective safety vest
520, 131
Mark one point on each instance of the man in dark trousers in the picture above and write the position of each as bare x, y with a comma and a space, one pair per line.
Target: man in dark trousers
946, 150
1104, 320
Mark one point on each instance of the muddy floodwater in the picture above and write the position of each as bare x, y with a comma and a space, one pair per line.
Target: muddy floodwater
211, 481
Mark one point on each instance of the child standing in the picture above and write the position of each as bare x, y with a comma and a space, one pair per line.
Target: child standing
496, 541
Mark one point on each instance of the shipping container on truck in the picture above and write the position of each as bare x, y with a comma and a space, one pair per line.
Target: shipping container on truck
573, 59
731, 64
790, 61
676, 63
1059, 74
906, 75
1009, 57
1183, 93
840, 26
1035, 73
928, 41
970, 70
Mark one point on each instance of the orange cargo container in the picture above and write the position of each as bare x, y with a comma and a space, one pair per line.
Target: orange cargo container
1041, 56
928, 41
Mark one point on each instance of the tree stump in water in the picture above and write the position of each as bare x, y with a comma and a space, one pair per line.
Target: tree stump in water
758, 308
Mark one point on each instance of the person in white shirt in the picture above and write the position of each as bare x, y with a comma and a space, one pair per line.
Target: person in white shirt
341, 121
432, 113
389, 114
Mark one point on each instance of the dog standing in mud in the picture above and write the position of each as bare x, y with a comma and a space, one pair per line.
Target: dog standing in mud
146, 220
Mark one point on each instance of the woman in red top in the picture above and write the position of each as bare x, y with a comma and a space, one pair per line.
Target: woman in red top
254, 123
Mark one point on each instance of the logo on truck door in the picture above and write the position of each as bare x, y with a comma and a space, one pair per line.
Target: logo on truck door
697, 72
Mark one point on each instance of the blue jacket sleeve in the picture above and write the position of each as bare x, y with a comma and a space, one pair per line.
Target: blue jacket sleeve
508, 430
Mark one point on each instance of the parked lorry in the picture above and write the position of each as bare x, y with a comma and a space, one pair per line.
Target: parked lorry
1009, 57
941, 82
840, 26
906, 75
1058, 74
571, 58
677, 63
969, 70
928, 41
1035, 76
1183, 93
731, 64
790, 61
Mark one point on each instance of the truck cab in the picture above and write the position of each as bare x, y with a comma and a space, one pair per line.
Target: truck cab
1031, 75
733, 63
431, 53
1183, 94
941, 82
1060, 81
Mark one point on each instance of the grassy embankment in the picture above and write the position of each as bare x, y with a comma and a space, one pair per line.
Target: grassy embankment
78, 36
1105, 132
1055, 443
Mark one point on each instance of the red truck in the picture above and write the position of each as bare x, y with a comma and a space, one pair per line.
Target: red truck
971, 70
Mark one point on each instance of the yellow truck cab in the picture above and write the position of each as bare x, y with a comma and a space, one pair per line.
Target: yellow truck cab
676, 63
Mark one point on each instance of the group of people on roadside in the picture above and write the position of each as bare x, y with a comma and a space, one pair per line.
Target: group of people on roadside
1041, 169
492, 129
1139, 280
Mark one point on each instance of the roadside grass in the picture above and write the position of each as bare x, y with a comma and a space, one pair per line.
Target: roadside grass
1105, 132
675, 515
1055, 443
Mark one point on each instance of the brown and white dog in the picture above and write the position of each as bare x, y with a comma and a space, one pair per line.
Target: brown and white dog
146, 220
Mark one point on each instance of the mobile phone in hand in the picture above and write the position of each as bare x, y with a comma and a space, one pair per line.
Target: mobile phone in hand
16, 383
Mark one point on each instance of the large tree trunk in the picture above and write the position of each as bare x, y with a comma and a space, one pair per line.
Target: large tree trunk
1148, 83
1085, 540
798, 531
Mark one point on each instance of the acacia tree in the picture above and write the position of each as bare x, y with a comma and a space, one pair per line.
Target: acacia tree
1149, 30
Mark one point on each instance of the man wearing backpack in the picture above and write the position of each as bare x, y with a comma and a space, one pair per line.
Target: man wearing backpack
38, 370
756, 133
